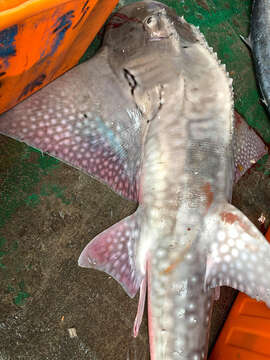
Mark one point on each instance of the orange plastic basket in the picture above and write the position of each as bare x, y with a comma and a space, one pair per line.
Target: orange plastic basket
246, 333
41, 39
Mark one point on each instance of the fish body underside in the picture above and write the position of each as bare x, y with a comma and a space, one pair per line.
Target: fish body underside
151, 115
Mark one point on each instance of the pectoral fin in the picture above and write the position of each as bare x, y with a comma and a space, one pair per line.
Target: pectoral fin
248, 147
86, 119
114, 250
240, 255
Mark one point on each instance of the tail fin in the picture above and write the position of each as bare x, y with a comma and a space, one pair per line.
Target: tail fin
240, 255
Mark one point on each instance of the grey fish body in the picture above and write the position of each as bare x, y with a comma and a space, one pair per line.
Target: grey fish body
152, 116
193, 137
260, 44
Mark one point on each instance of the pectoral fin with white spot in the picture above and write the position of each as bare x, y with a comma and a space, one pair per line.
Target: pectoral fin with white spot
114, 250
240, 255
87, 119
248, 147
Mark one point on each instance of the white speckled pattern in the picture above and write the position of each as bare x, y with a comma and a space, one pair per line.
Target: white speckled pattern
240, 256
151, 115
113, 252
70, 120
248, 147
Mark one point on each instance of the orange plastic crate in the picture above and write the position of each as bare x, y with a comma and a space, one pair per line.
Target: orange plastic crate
41, 39
246, 333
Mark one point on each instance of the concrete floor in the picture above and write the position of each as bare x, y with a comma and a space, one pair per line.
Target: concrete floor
43, 291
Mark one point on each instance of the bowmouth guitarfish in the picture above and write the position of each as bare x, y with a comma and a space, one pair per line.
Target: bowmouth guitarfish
151, 115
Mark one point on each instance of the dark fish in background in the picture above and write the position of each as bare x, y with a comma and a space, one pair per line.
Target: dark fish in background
259, 42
